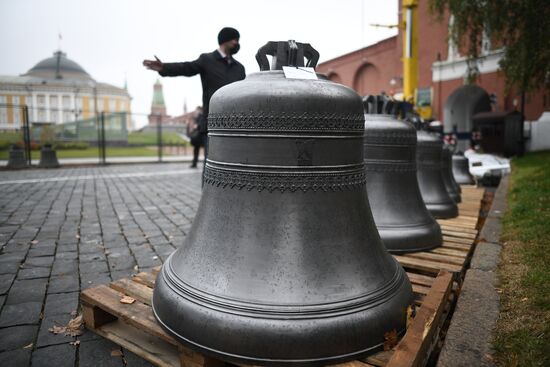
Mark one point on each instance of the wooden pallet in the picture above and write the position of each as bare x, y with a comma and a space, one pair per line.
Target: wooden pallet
435, 276
134, 327
459, 236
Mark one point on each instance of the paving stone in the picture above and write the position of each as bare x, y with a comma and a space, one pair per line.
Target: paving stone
121, 262
94, 267
98, 353
468, 340
67, 248
15, 257
33, 273
149, 260
491, 230
45, 337
32, 290
8, 268
89, 257
17, 247
486, 256
119, 274
64, 284
45, 261
63, 355
15, 358
5, 282
93, 280
66, 255
20, 314
61, 304
16, 337
37, 251
2, 301
62, 267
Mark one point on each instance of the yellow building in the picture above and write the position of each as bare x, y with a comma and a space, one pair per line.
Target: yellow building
58, 90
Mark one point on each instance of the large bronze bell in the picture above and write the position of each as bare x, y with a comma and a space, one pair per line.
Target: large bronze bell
16, 158
453, 189
402, 219
48, 157
461, 170
430, 178
283, 263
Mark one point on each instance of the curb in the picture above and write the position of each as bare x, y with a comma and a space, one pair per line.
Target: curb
468, 340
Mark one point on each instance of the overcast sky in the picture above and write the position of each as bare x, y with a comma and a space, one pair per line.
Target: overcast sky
110, 38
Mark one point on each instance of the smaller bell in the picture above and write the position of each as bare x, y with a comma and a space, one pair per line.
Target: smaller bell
48, 157
453, 189
461, 170
401, 217
16, 158
430, 177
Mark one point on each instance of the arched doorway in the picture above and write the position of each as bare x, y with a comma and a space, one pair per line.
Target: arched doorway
367, 80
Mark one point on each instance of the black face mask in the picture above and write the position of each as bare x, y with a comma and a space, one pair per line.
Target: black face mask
233, 50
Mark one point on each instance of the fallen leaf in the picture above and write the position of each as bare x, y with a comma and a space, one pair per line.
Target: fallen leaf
77, 236
28, 346
524, 299
75, 343
74, 313
127, 300
116, 353
390, 339
72, 328
34, 242
136, 268
155, 257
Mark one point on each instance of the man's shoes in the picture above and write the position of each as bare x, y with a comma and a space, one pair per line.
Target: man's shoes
193, 166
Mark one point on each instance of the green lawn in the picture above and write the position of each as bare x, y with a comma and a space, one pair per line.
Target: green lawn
523, 328
93, 152
169, 138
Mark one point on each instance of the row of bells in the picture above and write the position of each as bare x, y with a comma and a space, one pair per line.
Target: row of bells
284, 263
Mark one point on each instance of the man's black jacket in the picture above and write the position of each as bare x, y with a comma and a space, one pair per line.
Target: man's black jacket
214, 70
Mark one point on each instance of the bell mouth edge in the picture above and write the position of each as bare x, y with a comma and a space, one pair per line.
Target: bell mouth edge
270, 361
243, 308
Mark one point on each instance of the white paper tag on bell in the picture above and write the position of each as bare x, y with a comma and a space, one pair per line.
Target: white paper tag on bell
299, 72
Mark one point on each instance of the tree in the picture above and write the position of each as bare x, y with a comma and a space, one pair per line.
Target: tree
521, 26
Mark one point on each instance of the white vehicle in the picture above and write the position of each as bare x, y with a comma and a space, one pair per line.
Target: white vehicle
487, 167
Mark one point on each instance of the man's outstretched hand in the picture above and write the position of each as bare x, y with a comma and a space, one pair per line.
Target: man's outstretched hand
155, 65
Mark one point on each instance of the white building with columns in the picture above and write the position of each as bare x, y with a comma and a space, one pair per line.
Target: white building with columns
57, 90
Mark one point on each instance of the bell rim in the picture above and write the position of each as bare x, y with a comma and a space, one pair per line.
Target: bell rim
270, 361
280, 311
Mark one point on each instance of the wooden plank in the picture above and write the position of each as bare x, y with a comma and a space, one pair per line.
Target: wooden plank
421, 279
136, 314
146, 279
459, 234
420, 289
450, 252
428, 266
459, 229
464, 241
152, 349
455, 224
457, 246
444, 259
412, 349
380, 359
133, 289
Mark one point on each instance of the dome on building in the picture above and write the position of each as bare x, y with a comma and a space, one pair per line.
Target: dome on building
58, 67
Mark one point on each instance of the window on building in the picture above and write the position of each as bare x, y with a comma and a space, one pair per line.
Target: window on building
100, 105
16, 110
3, 111
54, 104
41, 100
112, 105
424, 97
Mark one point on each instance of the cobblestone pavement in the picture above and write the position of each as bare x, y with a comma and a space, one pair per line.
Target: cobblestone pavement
64, 230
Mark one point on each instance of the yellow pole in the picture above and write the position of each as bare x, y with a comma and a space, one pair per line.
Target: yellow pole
410, 50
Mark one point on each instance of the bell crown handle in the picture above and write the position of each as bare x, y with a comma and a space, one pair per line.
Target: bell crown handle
286, 53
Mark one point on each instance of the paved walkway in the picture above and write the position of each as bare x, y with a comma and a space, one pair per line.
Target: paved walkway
64, 230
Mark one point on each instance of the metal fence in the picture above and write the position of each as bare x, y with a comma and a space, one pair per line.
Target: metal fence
101, 137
